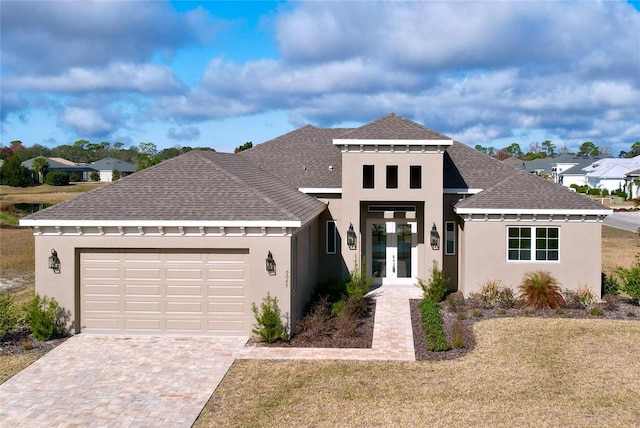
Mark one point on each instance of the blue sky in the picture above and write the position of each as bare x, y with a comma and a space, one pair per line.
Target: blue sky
218, 74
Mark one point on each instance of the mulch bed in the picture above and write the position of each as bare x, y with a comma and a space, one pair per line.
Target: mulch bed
20, 341
362, 337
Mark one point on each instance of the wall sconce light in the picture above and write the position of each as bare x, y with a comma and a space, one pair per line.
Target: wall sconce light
271, 264
435, 238
54, 261
352, 239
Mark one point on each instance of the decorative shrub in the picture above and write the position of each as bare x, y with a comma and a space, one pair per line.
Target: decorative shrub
74, 177
594, 192
540, 290
631, 279
268, 323
611, 301
585, 296
506, 298
436, 288
457, 334
115, 175
455, 301
609, 284
57, 178
318, 322
9, 318
46, 319
94, 176
436, 340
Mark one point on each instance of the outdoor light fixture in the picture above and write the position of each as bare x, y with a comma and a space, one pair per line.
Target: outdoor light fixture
435, 238
271, 264
352, 239
54, 261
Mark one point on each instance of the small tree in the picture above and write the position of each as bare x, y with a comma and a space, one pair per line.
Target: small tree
115, 175
13, 173
630, 278
268, 322
40, 165
94, 176
436, 288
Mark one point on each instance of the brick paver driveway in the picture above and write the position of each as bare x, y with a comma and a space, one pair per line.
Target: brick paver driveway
102, 381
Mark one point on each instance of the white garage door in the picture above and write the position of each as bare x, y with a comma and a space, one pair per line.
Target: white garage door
164, 292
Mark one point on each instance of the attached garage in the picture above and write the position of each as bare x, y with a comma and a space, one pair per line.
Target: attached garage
164, 291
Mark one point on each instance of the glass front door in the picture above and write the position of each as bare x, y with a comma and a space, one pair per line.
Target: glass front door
392, 252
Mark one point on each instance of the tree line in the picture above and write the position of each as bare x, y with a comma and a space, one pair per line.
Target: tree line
546, 149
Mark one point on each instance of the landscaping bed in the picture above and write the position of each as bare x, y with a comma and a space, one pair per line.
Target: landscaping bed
625, 310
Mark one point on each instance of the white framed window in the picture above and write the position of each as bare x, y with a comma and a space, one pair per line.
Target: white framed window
450, 238
331, 242
533, 243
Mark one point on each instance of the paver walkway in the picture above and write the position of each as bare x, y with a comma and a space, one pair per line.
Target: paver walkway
111, 381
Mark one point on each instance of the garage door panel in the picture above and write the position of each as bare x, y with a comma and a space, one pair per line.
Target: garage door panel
149, 325
142, 273
151, 307
95, 306
184, 290
102, 289
143, 290
227, 307
226, 290
156, 292
185, 308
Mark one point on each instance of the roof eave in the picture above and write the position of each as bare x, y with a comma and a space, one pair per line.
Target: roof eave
533, 211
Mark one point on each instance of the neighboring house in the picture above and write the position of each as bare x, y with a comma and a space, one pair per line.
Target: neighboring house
107, 166
610, 173
633, 183
185, 247
565, 168
60, 164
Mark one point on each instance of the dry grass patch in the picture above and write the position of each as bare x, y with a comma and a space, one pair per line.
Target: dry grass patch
17, 252
12, 364
46, 188
523, 372
619, 248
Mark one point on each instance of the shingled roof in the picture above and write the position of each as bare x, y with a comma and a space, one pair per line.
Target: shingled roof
196, 186
305, 157
467, 168
525, 191
393, 127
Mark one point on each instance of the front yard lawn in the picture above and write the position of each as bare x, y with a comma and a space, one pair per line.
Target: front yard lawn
523, 372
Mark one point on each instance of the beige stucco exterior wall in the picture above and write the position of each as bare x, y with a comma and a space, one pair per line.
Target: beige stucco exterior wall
65, 285
353, 194
305, 247
483, 248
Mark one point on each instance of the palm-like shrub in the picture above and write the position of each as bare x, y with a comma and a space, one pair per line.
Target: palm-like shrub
540, 290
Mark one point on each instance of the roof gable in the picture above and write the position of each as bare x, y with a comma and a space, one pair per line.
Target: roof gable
393, 127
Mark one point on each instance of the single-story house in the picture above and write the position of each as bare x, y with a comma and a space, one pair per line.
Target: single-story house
186, 246
80, 171
107, 166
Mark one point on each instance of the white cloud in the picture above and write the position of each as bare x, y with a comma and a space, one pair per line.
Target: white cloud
142, 78
85, 121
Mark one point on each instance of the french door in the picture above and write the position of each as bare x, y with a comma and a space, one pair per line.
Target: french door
392, 253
